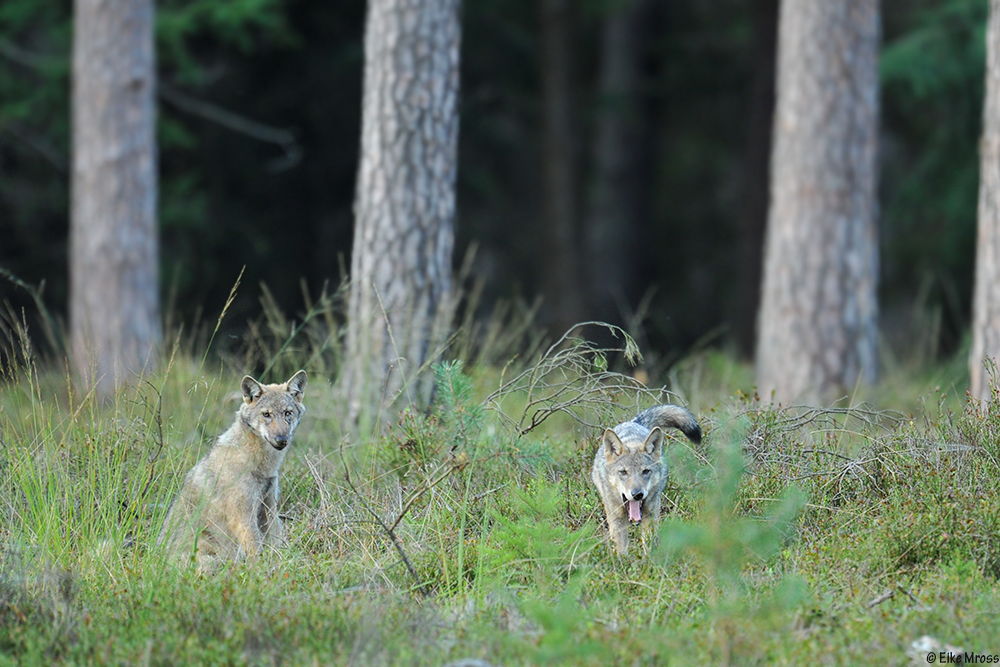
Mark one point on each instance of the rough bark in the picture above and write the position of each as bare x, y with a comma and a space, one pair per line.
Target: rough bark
986, 292
114, 272
615, 196
400, 298
757, 169
818, 319
560, 270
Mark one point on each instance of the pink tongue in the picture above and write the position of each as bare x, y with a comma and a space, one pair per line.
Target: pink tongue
633, 510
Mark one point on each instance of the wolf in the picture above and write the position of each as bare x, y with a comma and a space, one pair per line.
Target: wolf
629, 471
227, 508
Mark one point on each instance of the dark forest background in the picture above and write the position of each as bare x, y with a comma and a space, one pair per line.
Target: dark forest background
259, 135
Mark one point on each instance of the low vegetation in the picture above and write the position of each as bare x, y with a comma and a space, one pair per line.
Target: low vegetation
470, 534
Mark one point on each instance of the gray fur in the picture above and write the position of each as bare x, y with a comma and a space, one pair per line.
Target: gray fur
629, 471
228, 506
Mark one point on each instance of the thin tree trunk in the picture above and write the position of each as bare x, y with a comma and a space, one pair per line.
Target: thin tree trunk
986, 297
561, 275
757, 170
615, 196
818, 320
114, 272
400, 300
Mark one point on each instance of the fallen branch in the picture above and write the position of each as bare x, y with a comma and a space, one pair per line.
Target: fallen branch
451, 465
389, 531
888, 595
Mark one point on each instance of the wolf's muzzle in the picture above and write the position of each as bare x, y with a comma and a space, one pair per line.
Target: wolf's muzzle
280, 442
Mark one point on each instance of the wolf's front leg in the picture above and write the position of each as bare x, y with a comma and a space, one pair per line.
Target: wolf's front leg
651, 511
241, 514
617, 527
650, 521
248, 536
270, 523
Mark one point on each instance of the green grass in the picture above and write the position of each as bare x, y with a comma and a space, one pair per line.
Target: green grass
834, 536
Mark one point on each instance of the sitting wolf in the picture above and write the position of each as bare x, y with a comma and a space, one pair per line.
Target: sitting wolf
228, 505
629, 471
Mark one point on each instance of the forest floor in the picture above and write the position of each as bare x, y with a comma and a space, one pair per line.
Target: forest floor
864, 532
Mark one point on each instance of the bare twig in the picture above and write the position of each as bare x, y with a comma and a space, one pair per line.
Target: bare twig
826, 452
888, 595
56, 158
48, 321
449, 466
908, 594
151, 462
232, 121
29, 59
386, 527
570, 377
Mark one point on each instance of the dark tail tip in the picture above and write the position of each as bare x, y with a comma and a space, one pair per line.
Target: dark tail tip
693, 432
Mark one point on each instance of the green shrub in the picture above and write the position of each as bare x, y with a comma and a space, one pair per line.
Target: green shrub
938, 511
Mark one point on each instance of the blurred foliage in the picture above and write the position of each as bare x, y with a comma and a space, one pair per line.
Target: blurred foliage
34, 142
196, 44
227, 201
933, 68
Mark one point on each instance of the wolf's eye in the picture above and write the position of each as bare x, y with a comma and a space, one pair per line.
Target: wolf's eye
288, 413
266, 414
645, 473
623, 472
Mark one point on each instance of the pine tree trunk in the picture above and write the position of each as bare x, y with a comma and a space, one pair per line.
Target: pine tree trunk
615, 195
114, 271
560, 271
400, 299
986, 297
818, 320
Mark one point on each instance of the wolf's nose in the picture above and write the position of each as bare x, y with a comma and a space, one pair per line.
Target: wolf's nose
637, 495
281, 439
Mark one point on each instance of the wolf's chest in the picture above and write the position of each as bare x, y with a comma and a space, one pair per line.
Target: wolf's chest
265, 484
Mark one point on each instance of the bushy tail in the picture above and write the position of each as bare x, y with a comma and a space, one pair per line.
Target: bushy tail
671, 416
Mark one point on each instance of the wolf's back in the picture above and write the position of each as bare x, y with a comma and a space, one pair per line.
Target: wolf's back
671, 416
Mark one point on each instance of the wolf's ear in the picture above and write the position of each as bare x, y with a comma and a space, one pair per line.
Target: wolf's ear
613, 447
654, 442
251, 389
297, 385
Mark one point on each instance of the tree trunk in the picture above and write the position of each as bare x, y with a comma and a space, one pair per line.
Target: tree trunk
986, 294
400, 300
114, 270
818, 320
561, 276
757, 169
615, 195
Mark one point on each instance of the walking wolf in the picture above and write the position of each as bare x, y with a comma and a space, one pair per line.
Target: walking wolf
629, 471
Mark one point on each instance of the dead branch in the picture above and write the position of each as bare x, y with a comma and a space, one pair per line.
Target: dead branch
386, 527
570, 377
232, 121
